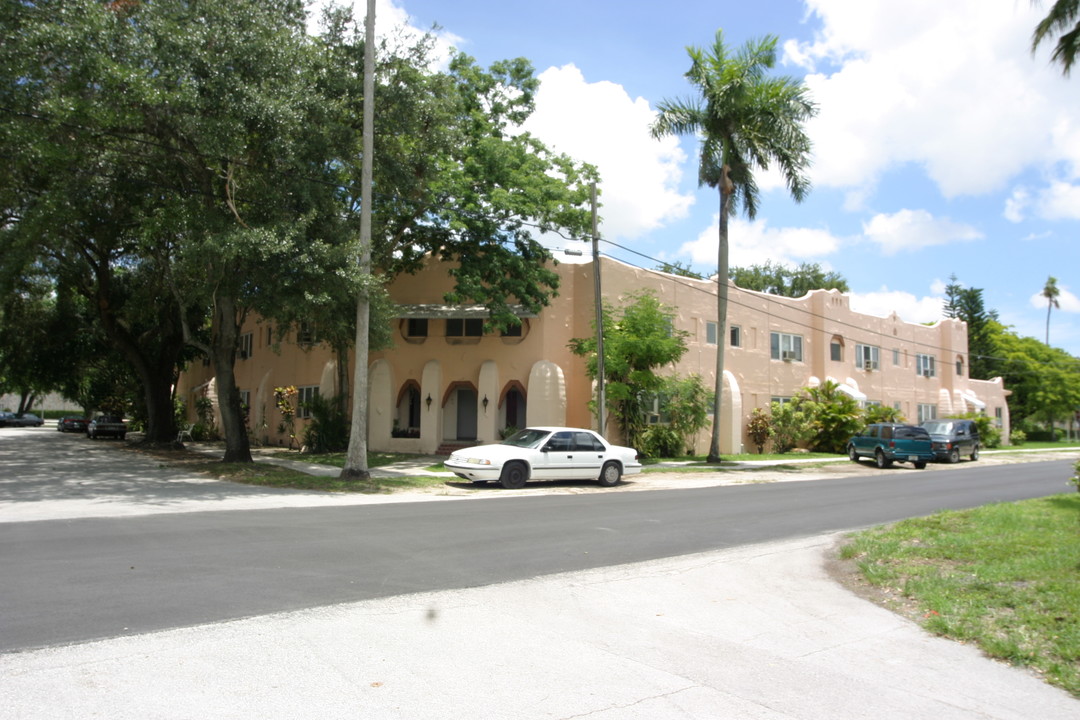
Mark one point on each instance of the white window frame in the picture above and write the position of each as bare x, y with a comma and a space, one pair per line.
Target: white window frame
867, 354
247, 344
781, 343
927, 411
304, 394
924, 362
711, 330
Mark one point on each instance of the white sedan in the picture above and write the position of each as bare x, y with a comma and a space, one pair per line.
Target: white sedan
546, 453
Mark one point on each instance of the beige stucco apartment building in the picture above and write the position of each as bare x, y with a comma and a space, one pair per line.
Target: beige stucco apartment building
446, 382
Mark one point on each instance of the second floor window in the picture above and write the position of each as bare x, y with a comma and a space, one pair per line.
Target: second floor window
867, 357
924, 365
246, 344
462, 327
416, 327
736, 336
783, 346
710, 333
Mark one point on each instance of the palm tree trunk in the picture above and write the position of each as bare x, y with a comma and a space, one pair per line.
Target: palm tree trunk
721, 313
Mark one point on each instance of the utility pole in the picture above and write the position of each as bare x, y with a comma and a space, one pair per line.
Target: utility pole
601, 397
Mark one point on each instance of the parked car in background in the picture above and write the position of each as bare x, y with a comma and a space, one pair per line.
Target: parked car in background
953, 438
72, 423
106, 426
887, 443
545, 453
8, 419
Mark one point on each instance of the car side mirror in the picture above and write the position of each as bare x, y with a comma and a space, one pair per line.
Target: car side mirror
546, 448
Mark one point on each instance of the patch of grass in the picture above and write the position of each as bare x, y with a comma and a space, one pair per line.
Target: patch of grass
1061, 445
279, 477
375, 459
1005, 576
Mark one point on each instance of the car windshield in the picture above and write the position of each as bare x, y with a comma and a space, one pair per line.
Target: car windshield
527, 438
938, 428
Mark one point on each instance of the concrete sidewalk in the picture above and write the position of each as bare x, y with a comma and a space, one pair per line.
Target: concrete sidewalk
759, 632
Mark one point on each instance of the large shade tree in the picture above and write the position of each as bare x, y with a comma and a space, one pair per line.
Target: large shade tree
747, 121
453, 178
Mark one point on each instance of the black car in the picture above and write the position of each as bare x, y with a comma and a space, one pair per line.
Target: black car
954, 438
25, 420
72, 423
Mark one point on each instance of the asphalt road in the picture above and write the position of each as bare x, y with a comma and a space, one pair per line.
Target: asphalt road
76, 580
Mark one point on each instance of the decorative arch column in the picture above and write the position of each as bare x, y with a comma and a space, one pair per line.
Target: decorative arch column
487, 407
380, 403
547, 395
731, 415
431, 407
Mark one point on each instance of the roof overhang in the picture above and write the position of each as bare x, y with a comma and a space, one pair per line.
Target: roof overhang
436, 312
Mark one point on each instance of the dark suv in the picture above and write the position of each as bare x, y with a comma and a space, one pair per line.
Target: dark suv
953, 438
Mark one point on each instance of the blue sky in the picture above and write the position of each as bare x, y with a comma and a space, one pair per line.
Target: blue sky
942, 146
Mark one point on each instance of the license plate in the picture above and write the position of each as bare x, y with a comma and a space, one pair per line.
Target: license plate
912, 458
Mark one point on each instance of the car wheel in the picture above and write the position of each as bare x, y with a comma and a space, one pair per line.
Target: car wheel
920, 464
954, 455
975, 453
881, 461
852, 455
514, 476
610, 474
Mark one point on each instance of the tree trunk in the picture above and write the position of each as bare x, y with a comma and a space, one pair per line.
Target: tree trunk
356, 467
721, 313
223, 350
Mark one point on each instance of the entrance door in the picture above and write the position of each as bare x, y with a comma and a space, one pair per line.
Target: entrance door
466, 414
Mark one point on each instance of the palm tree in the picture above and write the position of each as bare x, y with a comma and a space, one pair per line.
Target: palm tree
747, 121
1050, 292
1063, 21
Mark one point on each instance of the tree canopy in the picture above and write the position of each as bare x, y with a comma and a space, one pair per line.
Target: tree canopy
780, 279
182, 165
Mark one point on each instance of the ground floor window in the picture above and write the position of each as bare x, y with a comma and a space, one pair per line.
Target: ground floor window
927, 412
304, 395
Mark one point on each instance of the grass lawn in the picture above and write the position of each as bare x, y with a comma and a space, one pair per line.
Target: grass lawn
1005, 577
279, 477
375, 459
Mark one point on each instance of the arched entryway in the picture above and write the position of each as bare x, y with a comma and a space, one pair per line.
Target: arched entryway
512, 406
460, 411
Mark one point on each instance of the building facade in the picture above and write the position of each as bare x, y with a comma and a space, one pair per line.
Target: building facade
446, 382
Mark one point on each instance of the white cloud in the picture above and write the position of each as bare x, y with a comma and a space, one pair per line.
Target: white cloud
755, 243
948, 86
392, 23
1067, 301
1017, 204
915, 229
601, 124
1059, 201
884, 302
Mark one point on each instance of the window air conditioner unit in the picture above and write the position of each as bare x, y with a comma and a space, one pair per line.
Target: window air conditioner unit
869, 366
927, 373
787, 355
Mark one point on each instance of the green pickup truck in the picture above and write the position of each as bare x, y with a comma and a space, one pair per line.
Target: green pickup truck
892, 442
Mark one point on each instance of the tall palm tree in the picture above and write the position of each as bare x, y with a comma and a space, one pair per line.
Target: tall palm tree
1062, 22
747, 121
1050, 292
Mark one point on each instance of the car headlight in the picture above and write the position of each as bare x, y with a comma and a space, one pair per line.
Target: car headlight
478, 461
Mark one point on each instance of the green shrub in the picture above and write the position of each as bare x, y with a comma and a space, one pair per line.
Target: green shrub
759, 428
661, 441
1018, 437
328, 429
792, 423
836, 417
